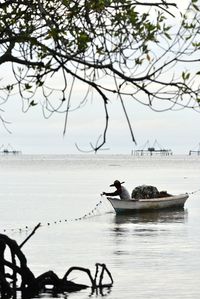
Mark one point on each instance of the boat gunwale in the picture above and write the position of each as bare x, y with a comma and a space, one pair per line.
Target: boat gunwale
159, 199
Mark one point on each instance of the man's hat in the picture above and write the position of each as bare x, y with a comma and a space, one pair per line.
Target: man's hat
116, 183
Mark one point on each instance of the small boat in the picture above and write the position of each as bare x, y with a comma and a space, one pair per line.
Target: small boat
132, 206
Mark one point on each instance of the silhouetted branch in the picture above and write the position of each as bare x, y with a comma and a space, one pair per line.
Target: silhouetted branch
110, 49
32, 233
31, 285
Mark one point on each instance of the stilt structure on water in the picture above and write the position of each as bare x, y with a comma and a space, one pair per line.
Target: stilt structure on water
196, 151
6, 150
155, 149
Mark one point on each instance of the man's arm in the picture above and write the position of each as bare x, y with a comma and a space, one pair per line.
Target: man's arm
111, 193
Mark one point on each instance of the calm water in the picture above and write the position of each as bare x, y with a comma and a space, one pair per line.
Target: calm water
154, 255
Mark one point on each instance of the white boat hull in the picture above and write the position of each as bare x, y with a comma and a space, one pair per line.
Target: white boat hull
129, 206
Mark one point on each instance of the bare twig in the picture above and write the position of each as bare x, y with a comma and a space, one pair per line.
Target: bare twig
32, 233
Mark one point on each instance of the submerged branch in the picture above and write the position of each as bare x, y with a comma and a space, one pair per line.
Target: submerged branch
31, 285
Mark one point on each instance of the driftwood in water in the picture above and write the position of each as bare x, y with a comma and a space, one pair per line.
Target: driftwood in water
30, 285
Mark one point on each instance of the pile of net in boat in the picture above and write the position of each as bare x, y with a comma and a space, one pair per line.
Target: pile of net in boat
148, 191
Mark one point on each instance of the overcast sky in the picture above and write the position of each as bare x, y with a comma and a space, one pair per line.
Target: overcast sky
32, 134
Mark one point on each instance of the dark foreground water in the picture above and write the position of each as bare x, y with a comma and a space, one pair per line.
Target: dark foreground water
151, 255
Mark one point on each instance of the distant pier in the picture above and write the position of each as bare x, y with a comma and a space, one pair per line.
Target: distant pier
195, 151
155, 149
7, 150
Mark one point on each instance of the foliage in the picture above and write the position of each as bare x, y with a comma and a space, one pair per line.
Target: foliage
134, 50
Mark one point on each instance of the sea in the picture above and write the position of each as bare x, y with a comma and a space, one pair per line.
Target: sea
151, 255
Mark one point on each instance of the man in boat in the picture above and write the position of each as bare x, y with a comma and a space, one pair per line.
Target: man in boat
120, 191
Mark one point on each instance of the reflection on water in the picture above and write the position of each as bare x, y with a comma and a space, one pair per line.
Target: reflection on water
147, 224
146, 230
171, 216
102, 291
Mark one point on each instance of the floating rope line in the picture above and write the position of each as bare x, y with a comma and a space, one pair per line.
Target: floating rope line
86, 216
193, 192
20, 230
28, 228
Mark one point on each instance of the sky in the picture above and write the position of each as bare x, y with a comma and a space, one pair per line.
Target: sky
31, 133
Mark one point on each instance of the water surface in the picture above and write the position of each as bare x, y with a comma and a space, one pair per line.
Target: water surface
150, 255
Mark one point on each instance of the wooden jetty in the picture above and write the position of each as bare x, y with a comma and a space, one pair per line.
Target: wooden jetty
155, 149
6, 150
